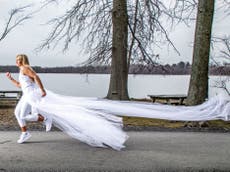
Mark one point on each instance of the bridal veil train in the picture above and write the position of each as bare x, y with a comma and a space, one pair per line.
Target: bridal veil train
96, 121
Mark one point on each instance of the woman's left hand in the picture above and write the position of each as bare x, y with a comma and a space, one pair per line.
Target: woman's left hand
43, 93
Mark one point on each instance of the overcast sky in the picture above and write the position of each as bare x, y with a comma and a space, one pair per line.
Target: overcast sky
25, 38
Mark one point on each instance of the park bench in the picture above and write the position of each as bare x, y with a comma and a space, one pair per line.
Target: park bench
10, 95
177, 99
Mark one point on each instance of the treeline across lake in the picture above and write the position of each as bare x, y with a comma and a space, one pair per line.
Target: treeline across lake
180, 68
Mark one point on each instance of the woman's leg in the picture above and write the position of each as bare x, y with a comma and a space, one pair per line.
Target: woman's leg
35, 116
46, 121
32, 116
21, 110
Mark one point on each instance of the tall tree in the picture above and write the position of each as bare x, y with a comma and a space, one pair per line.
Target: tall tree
119, 71
113, 28
198, 87
184, 11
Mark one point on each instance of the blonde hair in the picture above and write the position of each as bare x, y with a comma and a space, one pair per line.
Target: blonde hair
23, 59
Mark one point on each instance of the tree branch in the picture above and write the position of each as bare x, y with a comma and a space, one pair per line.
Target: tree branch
224, 43
89, 21
12, 23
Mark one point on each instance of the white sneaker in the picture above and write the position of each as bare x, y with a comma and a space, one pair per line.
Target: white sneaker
24, 137
48, 123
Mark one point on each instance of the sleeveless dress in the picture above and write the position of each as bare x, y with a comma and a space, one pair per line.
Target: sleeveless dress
96, 121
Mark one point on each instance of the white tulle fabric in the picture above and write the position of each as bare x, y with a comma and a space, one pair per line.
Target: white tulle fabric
95, 128
96, 121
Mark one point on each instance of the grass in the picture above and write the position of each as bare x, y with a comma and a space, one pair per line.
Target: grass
146, 122
219, 123
165, 124
138, 121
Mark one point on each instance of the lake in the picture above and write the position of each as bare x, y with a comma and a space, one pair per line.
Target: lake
96, 85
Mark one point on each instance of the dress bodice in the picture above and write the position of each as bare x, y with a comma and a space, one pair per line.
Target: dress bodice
25, 81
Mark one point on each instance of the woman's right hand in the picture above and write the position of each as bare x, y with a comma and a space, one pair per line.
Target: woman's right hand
8, 74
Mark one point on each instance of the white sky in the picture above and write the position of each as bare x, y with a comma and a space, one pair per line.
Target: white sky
25, 38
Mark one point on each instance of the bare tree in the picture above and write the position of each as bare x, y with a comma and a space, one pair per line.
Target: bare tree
119, 71
16, 18
198, 87
184, 11
91, 21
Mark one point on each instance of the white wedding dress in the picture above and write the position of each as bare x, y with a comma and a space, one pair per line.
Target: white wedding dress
96, 121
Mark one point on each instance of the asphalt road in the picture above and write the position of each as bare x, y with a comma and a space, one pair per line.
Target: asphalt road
145, 151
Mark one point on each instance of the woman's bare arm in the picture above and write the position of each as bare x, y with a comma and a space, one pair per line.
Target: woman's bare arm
32, 74
16, 83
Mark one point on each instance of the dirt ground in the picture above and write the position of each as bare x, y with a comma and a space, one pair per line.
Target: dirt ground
9, 122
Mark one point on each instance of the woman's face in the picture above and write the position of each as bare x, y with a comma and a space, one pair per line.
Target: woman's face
18, 62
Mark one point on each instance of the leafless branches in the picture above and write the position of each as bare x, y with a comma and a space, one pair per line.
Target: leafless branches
182, 11
223, 84
147, 28
224, 53
91, 21
224, 43
88, 19
15, 19
144, 28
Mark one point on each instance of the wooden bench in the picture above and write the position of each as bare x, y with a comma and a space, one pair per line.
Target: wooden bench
170, 99
10, 95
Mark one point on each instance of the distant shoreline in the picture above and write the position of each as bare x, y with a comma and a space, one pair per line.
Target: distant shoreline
175, 69
109, 73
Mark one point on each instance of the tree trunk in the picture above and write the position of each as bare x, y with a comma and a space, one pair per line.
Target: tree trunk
198, 87
119, 71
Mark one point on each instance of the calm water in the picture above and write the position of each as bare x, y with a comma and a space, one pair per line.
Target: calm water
96, 85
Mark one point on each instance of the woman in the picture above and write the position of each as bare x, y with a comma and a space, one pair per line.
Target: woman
94, 128
23, 109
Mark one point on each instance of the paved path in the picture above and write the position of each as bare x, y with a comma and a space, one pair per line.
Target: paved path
145, 151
